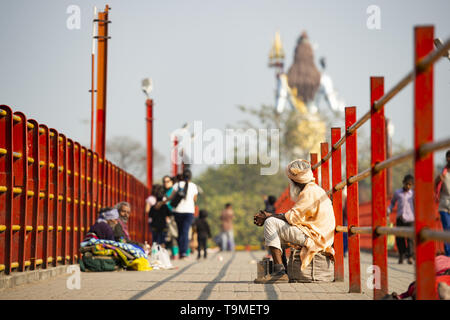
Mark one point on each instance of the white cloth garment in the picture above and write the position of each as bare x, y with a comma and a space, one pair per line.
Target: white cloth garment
277, 232
186, 205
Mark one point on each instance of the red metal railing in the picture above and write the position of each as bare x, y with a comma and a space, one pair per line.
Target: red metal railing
51, 189
423, 233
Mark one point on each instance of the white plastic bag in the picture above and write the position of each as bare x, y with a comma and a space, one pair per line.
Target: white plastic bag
160, 258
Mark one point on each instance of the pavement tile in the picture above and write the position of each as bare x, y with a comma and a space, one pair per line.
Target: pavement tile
212, 279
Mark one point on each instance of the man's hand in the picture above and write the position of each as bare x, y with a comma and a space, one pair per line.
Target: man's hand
260, 217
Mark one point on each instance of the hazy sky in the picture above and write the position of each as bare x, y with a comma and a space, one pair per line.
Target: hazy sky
205, 58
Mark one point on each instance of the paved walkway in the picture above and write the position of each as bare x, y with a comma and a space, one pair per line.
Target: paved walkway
229, 278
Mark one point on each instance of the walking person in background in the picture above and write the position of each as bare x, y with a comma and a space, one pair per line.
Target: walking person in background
269, 202
226, 217
442, 184
183, 200
159, 217
203, 233
150, 201
172, 232
404, 198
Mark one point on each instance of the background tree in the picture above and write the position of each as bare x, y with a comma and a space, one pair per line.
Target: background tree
244, 187
130, 155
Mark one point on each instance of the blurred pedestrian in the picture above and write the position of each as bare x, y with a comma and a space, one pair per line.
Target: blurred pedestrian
183, 200
159, 217
226, 218
150, 201
442, 184
404, 198
269, 202
203, 233
172, 232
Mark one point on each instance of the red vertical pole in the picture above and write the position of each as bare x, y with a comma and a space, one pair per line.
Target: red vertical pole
95, 184
55, 243
70, 195
175, 157
20, 172
149, 119
62, 197
351, 156
113, 185
378, 154
76, 201
90, 186
313, 162
423, 165
337, 206
31, 242
83, 193
33, 215
102, 54
110, 184
6, 182
44, 156
93, 79
325, 167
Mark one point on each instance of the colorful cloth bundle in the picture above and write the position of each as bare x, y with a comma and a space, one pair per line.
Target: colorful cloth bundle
130, 256
134, 250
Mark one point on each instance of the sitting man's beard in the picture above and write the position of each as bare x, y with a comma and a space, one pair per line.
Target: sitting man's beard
294, 191
124, 218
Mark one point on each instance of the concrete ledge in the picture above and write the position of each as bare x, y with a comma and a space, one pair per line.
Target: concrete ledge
21, 278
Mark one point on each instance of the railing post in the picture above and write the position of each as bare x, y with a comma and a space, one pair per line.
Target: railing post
53, 192
423, 165
77, 200
313, 162
102, 54
325, 167
378, 154
174, 157
351, 156
45, 180
20, 172
149, 119
6, 181
337, 205
70, 223
33, 215
84, 224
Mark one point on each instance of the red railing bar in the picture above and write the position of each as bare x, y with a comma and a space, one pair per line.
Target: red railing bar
336, 176
378, 154
423, 165
351, 151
